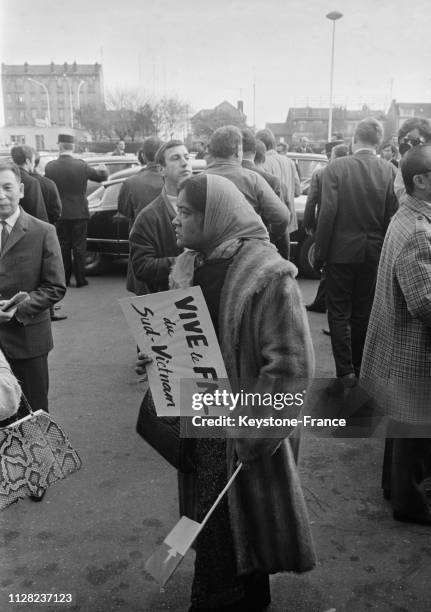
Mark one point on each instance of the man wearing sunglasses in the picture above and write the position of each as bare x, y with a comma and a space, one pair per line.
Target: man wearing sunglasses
396, 367
413, 132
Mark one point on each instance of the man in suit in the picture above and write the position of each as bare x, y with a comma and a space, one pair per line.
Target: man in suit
249, 150
140, 190
309, 221
30, 261
396, 367
50, 193
357, 204
285, 170
71, 175
32, 201
153, 244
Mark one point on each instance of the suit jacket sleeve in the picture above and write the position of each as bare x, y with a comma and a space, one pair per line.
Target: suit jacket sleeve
124, 201
274, 213
33, 194
96, 175
52, 202
52, 286
296, 180
147, 265
313, 199
327, 213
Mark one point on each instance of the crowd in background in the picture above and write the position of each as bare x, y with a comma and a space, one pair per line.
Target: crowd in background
228, 230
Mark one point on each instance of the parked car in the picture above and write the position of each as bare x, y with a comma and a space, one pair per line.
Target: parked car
108, 230
302, 245
113, 163
108, 236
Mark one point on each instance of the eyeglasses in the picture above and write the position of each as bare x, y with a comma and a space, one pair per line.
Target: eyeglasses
413, 142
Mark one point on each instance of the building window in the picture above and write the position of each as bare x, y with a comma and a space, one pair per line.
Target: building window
21, 116
33, 113
61, 115
17, 139
33, 98
20, 99
40, 142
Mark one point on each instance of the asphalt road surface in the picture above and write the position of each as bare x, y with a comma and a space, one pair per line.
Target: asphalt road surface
92, 533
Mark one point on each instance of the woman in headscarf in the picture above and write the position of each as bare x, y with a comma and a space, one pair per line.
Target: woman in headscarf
262, 526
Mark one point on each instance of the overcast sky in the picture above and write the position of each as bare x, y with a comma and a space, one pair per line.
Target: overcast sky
206, 52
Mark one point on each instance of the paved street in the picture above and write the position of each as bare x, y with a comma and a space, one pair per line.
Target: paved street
91, 535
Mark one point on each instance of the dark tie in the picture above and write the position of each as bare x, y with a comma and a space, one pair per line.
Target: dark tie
4, 235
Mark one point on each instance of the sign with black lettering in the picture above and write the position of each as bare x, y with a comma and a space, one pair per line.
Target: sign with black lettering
175, 329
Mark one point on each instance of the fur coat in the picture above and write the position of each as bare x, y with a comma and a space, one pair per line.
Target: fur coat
264, 336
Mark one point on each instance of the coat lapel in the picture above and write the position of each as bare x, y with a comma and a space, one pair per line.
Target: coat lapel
18, 231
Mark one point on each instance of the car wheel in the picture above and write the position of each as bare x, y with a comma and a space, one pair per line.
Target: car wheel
95, 263
306, 258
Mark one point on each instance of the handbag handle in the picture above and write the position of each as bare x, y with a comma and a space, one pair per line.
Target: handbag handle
26, 402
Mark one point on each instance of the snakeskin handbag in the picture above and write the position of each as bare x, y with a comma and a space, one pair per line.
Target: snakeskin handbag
34, 453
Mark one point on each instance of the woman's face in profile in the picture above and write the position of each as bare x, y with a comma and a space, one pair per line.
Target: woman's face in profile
188, 225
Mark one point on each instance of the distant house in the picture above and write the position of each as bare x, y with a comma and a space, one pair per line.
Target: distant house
400, 111
280, 131
313, 123
205, 121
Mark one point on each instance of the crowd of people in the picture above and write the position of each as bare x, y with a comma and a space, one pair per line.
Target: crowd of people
227, 230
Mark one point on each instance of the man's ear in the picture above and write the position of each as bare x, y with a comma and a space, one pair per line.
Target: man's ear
418, 181
21, 190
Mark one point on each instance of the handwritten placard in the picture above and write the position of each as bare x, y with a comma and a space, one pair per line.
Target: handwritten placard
175, 329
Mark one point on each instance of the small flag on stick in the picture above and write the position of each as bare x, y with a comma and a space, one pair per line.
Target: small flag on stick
165, 560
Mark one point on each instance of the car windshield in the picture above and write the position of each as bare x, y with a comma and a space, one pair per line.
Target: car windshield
306, 167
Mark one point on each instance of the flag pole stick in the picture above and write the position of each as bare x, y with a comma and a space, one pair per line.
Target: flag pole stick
213, 507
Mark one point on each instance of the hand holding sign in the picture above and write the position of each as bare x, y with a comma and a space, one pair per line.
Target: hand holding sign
174, 332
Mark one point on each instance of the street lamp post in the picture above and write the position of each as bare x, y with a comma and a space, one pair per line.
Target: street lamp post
78, 93
47, 96
70, 99
332, 16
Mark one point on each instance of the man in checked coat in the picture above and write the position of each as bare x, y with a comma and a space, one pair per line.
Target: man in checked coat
396, 367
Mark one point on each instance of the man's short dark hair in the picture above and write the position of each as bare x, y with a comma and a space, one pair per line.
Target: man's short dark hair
420, 123
416, 161
225, 142
160, 155
147, 152
267, 137
283, 146
10, 165
341, 150
21, 153
370, 131
260, 156
248, 141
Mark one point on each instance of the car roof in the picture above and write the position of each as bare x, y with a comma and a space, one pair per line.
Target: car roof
307, 156
106, 159
121, 175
